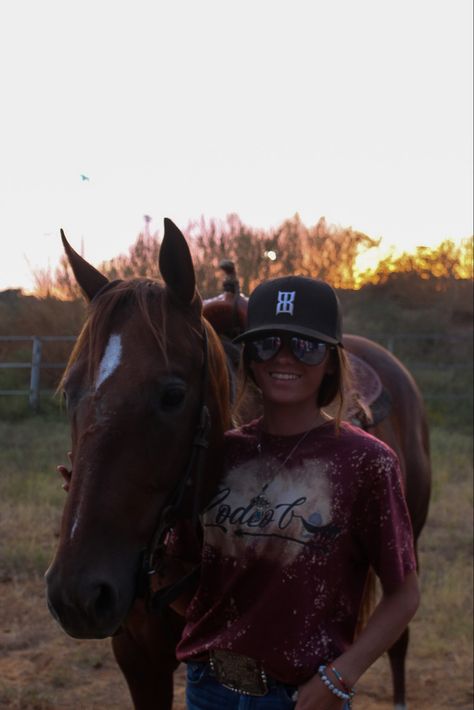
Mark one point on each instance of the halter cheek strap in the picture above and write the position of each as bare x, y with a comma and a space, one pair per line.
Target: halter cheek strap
173, 508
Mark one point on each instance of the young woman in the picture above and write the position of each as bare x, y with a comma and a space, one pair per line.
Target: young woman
306, 505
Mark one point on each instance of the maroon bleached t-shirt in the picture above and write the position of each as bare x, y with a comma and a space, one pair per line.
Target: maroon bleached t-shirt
284, 567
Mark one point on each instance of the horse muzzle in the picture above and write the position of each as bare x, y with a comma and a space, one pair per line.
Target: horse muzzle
87, 607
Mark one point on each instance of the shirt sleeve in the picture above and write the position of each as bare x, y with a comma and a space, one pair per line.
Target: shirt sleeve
383, 522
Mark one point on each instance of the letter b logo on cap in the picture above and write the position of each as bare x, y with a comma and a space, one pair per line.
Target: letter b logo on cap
285, 302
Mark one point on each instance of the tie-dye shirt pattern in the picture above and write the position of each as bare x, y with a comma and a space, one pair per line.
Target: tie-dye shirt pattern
287, 547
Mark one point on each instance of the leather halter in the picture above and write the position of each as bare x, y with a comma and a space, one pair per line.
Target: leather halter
172, 512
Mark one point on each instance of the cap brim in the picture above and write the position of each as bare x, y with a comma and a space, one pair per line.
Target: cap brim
251, 334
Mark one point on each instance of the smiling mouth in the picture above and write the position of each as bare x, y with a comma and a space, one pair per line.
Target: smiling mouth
284, 376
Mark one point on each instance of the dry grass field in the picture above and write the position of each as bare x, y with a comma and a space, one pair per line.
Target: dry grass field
42, 669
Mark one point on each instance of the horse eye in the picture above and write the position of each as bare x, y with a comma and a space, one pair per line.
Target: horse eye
172, 397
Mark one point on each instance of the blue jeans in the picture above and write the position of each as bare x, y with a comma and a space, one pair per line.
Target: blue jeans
204, 692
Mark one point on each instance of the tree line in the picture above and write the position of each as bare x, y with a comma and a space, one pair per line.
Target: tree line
323, 250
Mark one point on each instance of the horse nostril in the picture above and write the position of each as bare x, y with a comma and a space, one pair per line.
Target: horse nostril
104, 601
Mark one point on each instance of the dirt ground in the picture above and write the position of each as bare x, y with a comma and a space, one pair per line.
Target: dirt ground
42, 669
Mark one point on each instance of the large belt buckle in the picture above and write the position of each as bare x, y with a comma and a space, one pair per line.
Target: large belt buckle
238, 673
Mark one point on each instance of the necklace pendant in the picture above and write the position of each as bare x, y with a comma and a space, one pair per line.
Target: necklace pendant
260, 503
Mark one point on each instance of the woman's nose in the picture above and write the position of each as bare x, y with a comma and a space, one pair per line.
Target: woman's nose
285, 354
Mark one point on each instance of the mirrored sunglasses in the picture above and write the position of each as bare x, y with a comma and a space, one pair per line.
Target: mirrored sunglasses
307, 350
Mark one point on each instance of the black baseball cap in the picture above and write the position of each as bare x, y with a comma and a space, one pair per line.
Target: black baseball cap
295, 304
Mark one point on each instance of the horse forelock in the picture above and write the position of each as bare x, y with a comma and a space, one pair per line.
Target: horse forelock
147, 298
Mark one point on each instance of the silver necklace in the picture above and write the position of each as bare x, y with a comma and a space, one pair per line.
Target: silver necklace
260, 501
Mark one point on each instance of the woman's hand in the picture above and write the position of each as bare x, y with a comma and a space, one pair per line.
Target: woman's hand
314, 695
66, 473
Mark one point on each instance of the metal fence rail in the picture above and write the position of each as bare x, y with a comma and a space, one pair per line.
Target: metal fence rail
36, 364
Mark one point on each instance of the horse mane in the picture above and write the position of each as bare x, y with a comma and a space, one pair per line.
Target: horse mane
151, 298
218, 375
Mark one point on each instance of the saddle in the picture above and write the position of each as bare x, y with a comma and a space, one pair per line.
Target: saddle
367, 401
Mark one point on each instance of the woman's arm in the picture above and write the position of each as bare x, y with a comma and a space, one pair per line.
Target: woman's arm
388, 621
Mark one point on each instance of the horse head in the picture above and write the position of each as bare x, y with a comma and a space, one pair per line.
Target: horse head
144, 369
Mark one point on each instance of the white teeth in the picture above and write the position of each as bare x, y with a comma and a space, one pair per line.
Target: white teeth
284, 376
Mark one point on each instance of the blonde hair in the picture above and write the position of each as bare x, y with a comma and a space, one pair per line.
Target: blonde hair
336, 384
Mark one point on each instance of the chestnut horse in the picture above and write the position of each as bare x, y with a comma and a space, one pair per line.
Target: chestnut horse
146, 385
134, 387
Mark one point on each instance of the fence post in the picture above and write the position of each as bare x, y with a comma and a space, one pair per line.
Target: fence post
35, 374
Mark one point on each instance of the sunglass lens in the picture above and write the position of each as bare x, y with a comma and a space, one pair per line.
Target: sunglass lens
265, 348
310, 352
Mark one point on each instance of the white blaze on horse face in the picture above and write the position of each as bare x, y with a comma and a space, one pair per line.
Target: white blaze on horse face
110, 360
75, 522
74, 527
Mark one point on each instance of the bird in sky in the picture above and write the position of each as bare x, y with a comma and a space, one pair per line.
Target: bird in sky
84, 178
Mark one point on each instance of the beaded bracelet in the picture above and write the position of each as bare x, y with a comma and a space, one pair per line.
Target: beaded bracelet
346, 689
334, 690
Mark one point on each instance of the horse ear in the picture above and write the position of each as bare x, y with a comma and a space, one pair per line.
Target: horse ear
176, 264
89, 279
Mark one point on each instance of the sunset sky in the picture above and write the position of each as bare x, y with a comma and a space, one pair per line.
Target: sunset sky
360, 111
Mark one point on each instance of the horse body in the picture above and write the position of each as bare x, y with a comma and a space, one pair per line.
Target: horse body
405, 428
134, 386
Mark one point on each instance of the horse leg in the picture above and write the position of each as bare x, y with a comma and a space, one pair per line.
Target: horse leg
397, 654
145, 653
